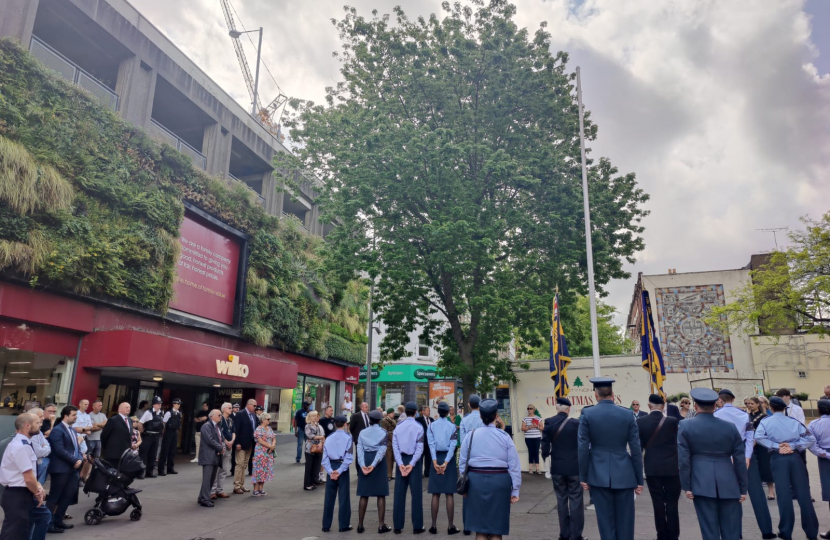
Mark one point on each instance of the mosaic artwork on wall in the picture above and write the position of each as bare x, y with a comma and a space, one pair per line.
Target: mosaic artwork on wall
689, 344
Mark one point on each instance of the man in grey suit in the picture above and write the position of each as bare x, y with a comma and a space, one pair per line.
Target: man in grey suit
210, 452
610, 461
712, 464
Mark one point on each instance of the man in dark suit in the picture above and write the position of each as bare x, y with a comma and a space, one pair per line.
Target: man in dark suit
425, 420
117, 435
560, 441
211, 448
658, 437
64, 466
713, 474
357, 423
244, 423
635, 408
610, 461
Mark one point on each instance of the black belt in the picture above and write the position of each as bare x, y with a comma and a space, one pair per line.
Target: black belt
487, 470
17, 488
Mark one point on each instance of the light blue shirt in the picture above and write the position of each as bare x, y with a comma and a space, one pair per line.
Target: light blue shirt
492, 447
779, 428
371, 439
442, 437
338, 447
469, 423
821, 431
740, 419
408, 438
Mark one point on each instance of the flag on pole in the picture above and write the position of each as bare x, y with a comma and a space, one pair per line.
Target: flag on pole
650, 345
559, 356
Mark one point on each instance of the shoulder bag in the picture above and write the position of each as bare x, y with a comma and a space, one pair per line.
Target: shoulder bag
558, 431
462, 485
656, 431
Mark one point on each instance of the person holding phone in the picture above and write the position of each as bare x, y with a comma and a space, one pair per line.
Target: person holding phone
533, 439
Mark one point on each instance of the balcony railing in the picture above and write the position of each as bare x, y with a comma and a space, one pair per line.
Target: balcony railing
287, 215
260, 198
71, 71
167, 136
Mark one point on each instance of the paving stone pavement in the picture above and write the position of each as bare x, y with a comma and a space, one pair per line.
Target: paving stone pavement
288, 512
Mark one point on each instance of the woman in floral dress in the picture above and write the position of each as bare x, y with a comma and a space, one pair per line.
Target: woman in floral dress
266, 442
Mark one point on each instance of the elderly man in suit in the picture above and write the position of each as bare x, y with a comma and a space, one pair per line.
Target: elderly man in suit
658, 437
64, 466
117, 435
244, 423
713, 474
211, 448
560, 441
610, 461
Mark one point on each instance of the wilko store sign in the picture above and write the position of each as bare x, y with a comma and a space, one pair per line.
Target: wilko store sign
232, 367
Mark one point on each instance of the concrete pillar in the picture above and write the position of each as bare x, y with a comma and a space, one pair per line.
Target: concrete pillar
17, 19
312, 220
216, 147
136, 88
273, 197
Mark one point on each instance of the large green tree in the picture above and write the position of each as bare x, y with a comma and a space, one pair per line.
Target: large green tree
450, 155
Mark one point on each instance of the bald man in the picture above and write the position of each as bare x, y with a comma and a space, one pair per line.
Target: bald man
117, 435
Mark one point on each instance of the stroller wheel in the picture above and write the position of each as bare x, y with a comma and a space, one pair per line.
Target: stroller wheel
135, 515
93, 516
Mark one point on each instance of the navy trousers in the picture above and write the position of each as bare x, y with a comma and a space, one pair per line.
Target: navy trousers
758, 498
615, 512
720, 519
337, 489
790, 474
414, 483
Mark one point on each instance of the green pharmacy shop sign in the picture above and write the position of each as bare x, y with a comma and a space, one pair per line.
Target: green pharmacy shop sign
396, 373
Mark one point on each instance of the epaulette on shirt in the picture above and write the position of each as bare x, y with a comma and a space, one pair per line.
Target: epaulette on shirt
26, 442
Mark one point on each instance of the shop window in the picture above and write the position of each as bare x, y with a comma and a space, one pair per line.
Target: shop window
423, 349
802, 374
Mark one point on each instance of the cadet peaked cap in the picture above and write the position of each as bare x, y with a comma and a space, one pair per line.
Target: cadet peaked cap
156, 399
410, 406
656, 399
475, 399
563, 401
444, 406
726, 392
177, 401
599, 382
376, 415
777, 401
704, 396
340, 419
489, 406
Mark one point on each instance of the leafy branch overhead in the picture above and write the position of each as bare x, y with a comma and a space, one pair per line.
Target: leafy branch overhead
449, 153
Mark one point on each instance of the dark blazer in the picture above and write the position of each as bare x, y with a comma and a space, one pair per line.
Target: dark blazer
674, 411
244, 429
116, 437
63, 456
640, 414
356, 425
661, 456
210, 445
710, 453
423, 421
564, 453
609, 447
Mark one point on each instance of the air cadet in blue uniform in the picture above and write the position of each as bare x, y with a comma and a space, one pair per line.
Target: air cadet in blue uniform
371, 475
337, 456
442, 438
471, 421
408, 446
610, 461
741, 420
712, 460
785, 437
820, 429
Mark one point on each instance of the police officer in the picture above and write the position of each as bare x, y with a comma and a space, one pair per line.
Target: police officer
785, 437
172, 423
18, 473
470, 422
337, 456
408, 446
153, 422
607, 433
560, 441
712, 460
442, 441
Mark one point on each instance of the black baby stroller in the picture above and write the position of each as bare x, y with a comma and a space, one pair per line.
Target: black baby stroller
113, 488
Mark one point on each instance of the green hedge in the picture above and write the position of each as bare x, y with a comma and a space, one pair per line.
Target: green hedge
91, 204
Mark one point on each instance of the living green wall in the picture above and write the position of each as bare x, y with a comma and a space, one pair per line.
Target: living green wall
92, 205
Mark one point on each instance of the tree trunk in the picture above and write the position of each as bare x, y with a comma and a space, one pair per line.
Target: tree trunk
468, 382
469, 389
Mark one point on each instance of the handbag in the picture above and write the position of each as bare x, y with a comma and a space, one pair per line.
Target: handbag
317, 446
462, 485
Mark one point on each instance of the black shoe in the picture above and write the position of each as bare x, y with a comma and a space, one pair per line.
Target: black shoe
140, 477
466, 532
433, 530
398, 531
64, 526
162, 474
171, 471
453, 530
826, 535
419, 531
384, 529
151, 475
360, 529
324, 530
346, 529
207, 504
53, 529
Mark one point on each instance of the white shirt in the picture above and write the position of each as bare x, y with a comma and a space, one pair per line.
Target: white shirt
83, 420
41, 446
740, 419
796, 412
147, 416
18, 458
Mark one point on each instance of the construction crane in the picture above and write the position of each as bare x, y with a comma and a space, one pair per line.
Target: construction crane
265, 115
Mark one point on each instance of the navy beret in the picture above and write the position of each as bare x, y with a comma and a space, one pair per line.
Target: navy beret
563, 401
489, 406
410, 406
475, 399
375, 415
656, 399
443, 406
775, 400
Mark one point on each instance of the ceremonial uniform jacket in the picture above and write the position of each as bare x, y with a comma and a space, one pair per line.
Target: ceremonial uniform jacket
609, 447
711, 458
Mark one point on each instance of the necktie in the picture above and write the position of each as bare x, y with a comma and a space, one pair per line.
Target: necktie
74, 438
127, 421
365, 420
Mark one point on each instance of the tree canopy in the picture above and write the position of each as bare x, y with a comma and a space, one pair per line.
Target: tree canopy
449, 154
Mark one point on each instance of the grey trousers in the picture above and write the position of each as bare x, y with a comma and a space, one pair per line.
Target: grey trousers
569, 506
208, 477
223, 472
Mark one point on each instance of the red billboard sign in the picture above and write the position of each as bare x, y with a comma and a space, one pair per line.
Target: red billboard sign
207, 271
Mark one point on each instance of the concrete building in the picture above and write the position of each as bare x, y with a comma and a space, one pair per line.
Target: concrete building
111, 50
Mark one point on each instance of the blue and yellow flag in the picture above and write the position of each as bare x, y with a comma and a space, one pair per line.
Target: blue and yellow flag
559, 356
650, 345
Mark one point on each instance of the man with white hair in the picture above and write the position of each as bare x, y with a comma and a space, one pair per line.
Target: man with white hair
211, 450
41, 446
560, 441
228, 438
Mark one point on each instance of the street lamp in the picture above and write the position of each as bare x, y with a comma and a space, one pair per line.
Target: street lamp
235, 35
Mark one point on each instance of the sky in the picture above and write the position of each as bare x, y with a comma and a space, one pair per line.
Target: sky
721, 109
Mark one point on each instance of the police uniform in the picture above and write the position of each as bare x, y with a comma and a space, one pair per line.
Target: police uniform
172, 423
337, 456
17, 501
442, 441
153, 422
408, 446
470, 422
711, 457
494, 475
788, 470
611, 463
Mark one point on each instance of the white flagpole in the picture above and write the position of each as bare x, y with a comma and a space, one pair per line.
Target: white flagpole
589, 248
